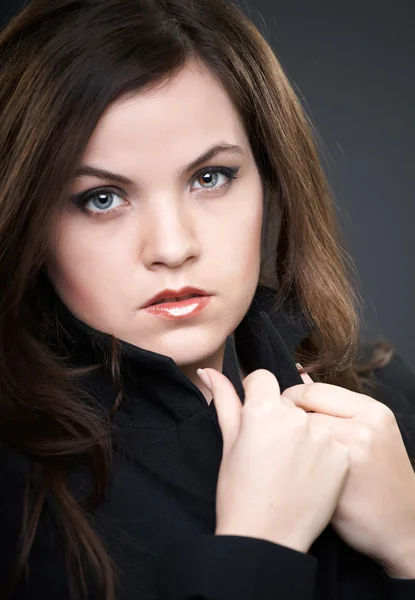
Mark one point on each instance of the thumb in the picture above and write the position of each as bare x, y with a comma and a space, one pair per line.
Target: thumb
227, 403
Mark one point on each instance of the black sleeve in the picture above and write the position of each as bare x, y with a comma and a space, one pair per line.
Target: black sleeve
240, 568
398, 589
226, 567
397, 390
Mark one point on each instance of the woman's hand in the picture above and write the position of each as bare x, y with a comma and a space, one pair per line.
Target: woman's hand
280, 477
376, 511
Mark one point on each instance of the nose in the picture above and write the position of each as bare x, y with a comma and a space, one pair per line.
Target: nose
170, 235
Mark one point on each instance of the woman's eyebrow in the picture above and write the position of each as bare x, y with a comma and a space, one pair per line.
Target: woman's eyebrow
232, 149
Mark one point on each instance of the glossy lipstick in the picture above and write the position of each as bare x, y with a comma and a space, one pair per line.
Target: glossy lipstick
182, 309
175, 295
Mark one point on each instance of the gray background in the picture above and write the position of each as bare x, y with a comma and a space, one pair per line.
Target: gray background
352, 64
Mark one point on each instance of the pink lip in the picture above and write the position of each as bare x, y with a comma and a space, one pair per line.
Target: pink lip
185, 291
183, 309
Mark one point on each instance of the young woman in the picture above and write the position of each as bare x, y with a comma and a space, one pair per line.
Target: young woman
153, 151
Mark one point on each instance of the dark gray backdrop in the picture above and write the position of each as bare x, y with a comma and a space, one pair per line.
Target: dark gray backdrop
352, 64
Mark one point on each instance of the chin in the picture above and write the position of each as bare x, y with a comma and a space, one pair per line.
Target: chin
190, 347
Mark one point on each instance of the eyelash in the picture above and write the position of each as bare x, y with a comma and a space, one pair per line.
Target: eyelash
81, 200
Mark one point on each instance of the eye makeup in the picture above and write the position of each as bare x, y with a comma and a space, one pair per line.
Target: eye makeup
81, 200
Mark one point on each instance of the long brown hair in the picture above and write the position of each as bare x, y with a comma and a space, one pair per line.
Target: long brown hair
62, 62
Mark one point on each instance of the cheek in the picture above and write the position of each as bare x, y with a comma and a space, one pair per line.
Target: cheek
244, 237
254, 248
79, 269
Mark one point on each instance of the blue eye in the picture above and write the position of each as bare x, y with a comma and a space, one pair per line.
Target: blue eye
227, 172
100, 197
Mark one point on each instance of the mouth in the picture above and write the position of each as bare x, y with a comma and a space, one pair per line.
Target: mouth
179, 308
176, 299
176, 295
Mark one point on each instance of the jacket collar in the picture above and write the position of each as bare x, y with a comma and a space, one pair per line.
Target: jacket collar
157, 393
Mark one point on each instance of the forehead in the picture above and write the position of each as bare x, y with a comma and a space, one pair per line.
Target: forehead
174, 121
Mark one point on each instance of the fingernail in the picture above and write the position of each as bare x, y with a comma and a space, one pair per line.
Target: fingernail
304, 376
205, 378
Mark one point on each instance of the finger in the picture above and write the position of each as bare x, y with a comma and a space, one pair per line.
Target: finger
304, 376
228, 407
261, 386
330, 399
307, 379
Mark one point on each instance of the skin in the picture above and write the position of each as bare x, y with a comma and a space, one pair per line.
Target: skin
169, 230
380, 486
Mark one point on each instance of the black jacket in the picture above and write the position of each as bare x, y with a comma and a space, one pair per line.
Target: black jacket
158, 520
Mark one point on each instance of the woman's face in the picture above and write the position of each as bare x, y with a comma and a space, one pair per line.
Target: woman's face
169, 227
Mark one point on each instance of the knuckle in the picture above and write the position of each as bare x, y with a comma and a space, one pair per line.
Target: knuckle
365, 435
322, 434
259, 375
382, 415
263, 409
261, 379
